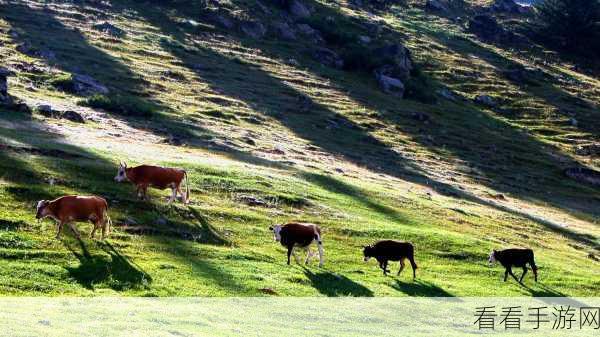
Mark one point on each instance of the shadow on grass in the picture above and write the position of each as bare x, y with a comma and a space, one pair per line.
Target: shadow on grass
332, 285
420, 288
112, 270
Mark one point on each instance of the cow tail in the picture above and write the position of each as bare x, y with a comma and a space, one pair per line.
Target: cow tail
411, 257
187, 188
318, 237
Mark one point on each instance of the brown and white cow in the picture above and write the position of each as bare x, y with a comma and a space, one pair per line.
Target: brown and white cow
73, 208
301, 235
145, 176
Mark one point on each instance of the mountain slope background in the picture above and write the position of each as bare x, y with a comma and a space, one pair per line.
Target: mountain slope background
268, 134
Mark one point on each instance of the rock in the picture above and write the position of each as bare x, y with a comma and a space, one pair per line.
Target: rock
584, 175
447, 94
45, 110
486, 100
573, 122
28, 50
486, 27
311, 34
327, 57
588, 150
87, 85
109, 29
4, 97
254, 29
364, 39
437, 5
73, 116
251, 200
285, 31
161, 221
248, 140
30, 68
173, 140
390, 85
21, 107
400, 58
298, 9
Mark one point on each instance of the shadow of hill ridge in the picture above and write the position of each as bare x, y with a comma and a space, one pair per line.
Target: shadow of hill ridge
267, 94
333, 284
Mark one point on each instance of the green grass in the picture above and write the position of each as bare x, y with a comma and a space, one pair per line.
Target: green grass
328, 148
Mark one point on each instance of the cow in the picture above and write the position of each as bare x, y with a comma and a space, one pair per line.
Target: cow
391, 250
514, 257
73, 208
296, 234
145, 176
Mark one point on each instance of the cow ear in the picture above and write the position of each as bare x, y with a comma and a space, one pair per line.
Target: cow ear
270, 228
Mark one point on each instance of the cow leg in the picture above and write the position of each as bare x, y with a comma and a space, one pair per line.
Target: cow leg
308, 255
401, 266
94, 230
173, 195
74, 230
139, 192
59, 226
321, 254
145, 192
289, 253
505, 274
296, 258
385, 265
512, 274
104, 227
523, 275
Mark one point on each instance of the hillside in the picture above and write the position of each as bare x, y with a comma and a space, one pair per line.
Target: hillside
269, 133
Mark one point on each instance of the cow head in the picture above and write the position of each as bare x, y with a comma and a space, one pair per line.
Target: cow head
492, 257
276, 232
368, 252
122, 173
41, 209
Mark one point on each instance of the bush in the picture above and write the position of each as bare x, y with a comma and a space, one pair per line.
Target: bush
121, 105
571, 24
420, 87
64, 83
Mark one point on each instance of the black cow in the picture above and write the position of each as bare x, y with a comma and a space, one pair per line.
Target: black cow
514, 257
301, 235
391, 250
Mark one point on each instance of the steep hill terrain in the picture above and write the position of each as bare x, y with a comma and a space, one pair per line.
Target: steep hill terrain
274, 110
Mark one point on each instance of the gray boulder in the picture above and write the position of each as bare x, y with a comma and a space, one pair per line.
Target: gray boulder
390, 85
87, 85
509, 6
327, 57
109, 29
400, 61
486, 100
4, 97
45, 110
588, 150
73, 116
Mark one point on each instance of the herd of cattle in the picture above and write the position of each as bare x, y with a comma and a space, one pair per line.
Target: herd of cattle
69, 209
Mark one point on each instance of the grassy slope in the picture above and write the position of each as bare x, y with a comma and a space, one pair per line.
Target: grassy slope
435, 184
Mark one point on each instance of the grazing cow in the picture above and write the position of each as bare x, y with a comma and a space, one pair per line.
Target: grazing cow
299, 235
72, 208
145, 176
391, 250
514, 257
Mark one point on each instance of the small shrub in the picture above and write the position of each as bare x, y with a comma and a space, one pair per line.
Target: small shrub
64, 83
121, 104
420, 87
